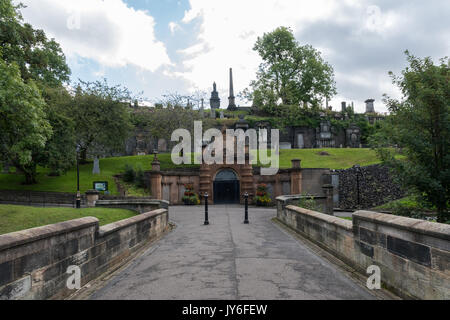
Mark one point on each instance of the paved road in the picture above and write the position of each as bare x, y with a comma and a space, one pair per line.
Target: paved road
229, 260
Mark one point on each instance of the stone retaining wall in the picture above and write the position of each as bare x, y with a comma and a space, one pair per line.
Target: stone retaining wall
34, 262
39, 198
413, 255
376, 187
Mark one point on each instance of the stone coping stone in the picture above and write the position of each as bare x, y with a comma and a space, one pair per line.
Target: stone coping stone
341, 223
18, 238
131, 201
298, 197
115, 226
439, 230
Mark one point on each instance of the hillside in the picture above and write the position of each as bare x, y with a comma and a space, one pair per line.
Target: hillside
311, 158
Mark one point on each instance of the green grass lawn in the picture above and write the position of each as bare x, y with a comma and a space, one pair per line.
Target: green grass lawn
16, 218
67, 183
337, 159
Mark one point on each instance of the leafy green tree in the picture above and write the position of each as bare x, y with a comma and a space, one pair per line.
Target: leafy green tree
59, 154
101, 115
420, 125
290, 73
38, 57
25, 129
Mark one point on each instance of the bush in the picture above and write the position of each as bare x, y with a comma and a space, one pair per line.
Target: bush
309, 202
140, 180
129, 174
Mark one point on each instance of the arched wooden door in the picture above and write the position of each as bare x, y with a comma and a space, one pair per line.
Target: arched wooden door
226, 187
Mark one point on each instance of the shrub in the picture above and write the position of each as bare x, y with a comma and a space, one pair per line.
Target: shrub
309, 202
129, 174
140, 180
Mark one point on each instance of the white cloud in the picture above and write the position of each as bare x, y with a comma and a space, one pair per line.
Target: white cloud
173, 26
229, 30
108, 32
362, 39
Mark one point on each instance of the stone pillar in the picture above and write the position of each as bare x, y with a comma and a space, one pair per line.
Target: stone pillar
329, 203
92, 197
156, 179
206, 183
156, 184
296, 177
247, 183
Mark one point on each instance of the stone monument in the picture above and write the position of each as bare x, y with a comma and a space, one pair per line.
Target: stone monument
214, 101
231, 98
96, 168
370, 108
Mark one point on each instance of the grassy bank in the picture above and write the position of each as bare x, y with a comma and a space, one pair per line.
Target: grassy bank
311, 158
16, 218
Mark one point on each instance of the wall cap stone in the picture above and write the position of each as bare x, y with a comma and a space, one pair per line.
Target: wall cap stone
115, 226
341, 223
14, 239
434, 229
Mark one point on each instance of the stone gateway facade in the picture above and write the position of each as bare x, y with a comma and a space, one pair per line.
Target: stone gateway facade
227, 184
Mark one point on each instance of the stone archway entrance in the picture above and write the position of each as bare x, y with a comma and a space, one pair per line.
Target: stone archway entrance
226, 187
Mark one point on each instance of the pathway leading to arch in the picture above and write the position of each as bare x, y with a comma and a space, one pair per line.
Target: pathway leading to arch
229, 260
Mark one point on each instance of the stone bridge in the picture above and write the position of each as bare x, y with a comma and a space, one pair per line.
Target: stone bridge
229, 260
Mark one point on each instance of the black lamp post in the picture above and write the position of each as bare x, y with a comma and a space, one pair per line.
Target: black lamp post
357, 168
246, 208
206, 209
78, 201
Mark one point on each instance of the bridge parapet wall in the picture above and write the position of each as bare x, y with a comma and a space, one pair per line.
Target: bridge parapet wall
413, 255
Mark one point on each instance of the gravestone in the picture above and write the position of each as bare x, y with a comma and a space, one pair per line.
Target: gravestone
285, 146
162, 145
300, 141
222, 116
96, 168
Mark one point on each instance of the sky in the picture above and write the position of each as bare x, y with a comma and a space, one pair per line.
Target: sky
165, 46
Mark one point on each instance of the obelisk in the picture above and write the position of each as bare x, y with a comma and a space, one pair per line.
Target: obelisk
231, 98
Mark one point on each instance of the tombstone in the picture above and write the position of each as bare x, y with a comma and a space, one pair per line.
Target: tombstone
222, 116
162, 145
96, 168
285, 146
300, 141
